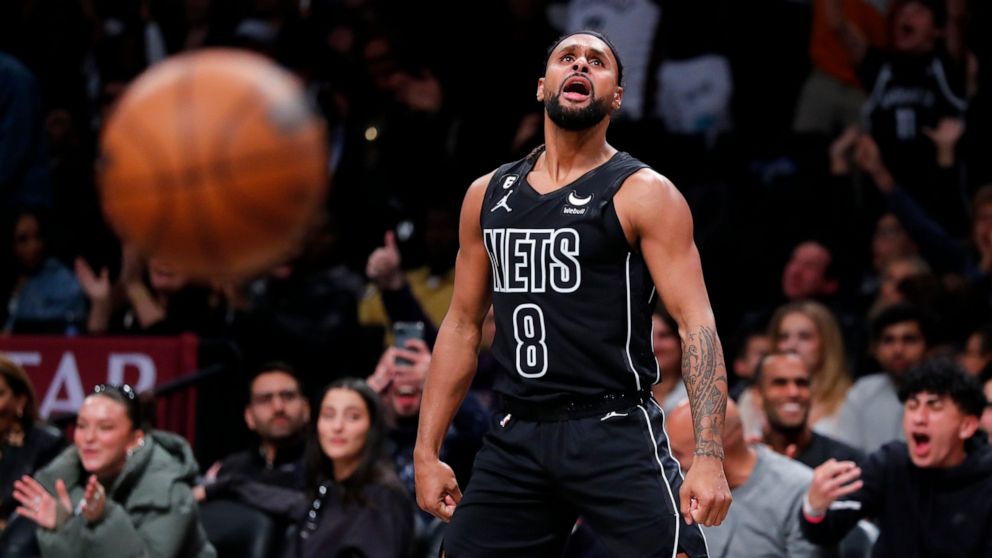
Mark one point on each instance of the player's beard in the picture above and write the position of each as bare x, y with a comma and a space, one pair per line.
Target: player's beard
576, 120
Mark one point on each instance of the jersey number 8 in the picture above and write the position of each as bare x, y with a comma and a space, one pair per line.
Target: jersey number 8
528, 330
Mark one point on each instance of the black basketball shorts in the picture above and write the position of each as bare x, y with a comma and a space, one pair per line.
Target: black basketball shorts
532, 480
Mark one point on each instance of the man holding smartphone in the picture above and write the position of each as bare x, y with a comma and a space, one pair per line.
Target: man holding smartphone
399, 380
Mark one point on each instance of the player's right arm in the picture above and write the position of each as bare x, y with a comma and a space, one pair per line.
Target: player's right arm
454, 359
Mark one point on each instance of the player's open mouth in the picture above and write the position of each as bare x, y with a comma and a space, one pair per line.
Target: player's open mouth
576, 89
921, 444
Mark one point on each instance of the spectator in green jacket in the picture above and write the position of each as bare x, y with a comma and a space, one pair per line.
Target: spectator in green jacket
122, 490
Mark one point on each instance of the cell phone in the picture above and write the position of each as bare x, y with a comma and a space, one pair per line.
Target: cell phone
403, 332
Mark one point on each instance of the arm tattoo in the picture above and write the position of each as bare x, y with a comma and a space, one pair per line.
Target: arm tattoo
705, 376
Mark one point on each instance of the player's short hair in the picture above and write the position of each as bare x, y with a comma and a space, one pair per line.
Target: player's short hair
598, 35
942, 376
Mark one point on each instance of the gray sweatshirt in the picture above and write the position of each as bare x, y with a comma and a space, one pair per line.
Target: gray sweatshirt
763, 521
872, 414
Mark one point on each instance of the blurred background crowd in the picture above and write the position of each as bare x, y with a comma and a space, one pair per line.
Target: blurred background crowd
834, 154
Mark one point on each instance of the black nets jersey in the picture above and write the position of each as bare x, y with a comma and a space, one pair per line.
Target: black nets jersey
572, 300
908, 93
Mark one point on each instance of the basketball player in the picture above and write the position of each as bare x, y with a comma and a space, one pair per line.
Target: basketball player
569, 245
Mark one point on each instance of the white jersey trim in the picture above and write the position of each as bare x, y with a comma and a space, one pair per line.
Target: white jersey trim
630, 361
657, 366
945, 88
664, 478
884, 75
664, 420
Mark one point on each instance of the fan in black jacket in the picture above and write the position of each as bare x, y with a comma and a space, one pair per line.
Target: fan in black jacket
932, 495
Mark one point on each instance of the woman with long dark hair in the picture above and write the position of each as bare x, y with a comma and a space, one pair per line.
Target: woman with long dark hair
358, 508
351, 504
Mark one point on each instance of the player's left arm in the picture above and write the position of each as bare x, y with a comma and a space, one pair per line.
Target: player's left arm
657, 221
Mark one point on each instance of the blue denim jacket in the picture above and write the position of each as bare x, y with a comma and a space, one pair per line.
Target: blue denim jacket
53, 294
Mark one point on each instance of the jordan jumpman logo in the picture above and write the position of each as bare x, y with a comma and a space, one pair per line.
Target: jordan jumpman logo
502, 203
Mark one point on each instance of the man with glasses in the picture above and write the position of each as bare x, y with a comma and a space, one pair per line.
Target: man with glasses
278, 413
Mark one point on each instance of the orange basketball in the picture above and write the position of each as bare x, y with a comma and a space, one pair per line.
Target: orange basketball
214, 162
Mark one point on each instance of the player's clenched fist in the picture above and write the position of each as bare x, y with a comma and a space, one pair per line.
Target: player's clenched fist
705, 497
437, 488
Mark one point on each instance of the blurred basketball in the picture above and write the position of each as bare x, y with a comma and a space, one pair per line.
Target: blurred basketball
213, 162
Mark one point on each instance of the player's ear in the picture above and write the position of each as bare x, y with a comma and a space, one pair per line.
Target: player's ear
617, 98
540, 89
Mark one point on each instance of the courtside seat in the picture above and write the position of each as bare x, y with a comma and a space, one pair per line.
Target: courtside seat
237, 530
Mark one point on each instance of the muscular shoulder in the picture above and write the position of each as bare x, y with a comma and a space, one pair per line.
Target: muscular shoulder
480, 184
648, 185
648, 199
475, 194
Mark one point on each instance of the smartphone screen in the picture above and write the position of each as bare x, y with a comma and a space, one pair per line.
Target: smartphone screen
405, 331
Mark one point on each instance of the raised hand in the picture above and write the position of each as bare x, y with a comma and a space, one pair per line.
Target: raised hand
383, 265
94, 500
419, 357
385, 371
832, 480
945, 137
40, 506
869, 159
96, 287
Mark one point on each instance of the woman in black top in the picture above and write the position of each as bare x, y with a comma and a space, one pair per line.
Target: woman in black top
352, 504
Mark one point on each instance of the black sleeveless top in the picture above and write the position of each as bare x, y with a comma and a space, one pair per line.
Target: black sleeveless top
572, 301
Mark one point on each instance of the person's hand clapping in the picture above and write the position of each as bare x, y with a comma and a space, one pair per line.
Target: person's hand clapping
40, 506
94, 501
96, 287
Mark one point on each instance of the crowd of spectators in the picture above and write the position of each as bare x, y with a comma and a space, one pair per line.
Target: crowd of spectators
833, 153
